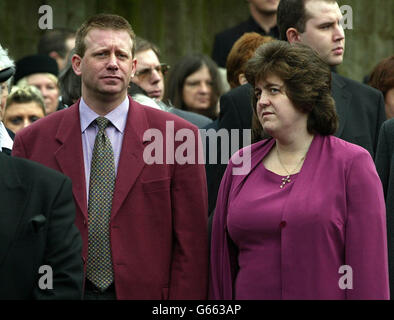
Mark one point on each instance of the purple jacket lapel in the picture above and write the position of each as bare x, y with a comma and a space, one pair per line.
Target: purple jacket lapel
69, 156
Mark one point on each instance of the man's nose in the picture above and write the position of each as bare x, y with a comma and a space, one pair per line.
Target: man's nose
155, 75
339, 33
26, 122
112, 62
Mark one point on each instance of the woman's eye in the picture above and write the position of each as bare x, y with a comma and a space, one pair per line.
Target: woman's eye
16, 120
34, 118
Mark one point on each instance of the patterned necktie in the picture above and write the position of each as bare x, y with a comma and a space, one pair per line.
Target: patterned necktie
101, 188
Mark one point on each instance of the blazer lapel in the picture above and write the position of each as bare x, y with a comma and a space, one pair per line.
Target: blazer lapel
131, 160
69, 155
342, 100
13, 196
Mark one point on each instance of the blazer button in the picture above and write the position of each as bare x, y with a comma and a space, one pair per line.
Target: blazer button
282, 224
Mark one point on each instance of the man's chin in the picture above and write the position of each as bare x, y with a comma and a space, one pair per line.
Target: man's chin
268, 12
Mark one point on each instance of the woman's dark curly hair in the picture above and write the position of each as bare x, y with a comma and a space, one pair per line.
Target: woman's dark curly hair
307, 81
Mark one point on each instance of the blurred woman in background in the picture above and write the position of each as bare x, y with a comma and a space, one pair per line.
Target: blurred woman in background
40, 71
24, 106
193, 84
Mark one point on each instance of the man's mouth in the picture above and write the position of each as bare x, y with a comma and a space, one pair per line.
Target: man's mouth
338, 51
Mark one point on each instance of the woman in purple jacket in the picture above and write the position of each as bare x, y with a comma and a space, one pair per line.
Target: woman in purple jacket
308, 220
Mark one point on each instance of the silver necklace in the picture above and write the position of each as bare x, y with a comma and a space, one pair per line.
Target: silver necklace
287, 178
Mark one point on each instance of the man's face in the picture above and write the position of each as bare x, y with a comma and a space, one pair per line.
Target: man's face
149, 75
324, 32
107, 66
265, 6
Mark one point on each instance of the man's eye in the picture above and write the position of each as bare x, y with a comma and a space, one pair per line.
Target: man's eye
274, 90
143, 72
33, 118
16, 120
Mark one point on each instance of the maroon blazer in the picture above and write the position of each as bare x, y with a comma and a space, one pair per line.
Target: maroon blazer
158, 223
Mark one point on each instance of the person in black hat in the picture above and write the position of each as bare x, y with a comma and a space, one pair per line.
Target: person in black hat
6, 71
40, 71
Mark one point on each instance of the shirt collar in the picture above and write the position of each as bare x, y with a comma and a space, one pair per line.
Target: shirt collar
5, 140
118, 116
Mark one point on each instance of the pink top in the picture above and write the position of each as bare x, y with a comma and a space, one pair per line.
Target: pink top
255, 223
333, 225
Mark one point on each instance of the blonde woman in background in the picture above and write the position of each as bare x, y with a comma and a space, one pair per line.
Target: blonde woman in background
24, 106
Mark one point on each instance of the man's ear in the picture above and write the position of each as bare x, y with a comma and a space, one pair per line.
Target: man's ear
76, 64
133, 67
242, 79
293, 35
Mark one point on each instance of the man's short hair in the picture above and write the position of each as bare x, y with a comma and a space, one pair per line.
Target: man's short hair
292, 14
142, 45
104, 22
55, 40
307, 82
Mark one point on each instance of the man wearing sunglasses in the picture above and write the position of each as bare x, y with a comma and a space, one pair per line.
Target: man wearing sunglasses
148, 82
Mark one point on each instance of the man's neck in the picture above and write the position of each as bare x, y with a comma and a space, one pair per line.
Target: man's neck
103, 105
265, 20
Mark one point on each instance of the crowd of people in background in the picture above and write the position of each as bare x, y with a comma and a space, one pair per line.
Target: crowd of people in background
319, 194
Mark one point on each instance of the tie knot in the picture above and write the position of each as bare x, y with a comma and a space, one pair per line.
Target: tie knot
102, 123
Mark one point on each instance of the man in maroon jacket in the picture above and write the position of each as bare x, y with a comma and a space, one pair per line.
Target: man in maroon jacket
152, 244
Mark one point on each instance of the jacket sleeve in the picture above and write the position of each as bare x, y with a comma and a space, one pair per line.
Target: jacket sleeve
366, 239
189, 267
221, 267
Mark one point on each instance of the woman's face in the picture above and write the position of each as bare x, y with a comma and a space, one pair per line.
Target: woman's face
197, 90
275, 111
20, 115
48, 88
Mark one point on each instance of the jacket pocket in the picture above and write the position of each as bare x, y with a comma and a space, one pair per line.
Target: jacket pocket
156, 185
